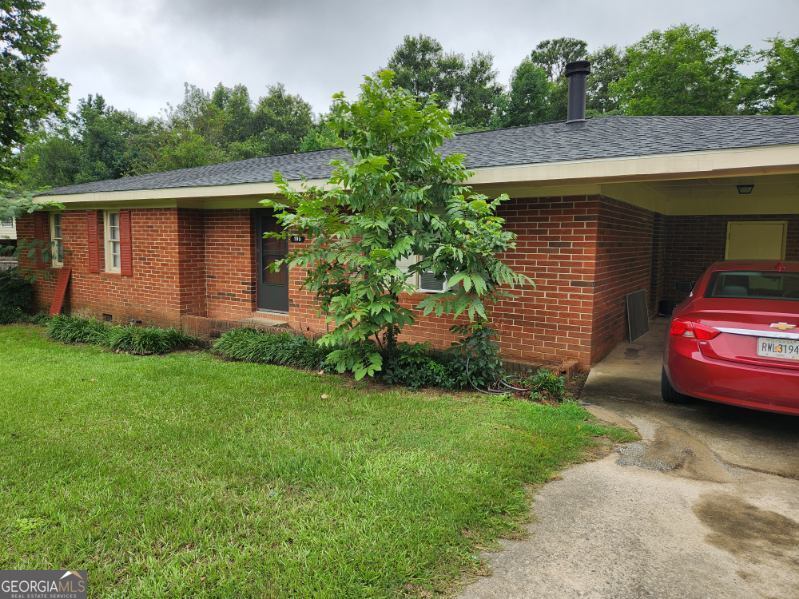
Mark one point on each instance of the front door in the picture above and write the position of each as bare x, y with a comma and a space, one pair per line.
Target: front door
273, 287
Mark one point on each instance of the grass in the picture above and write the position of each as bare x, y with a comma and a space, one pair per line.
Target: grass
188, 476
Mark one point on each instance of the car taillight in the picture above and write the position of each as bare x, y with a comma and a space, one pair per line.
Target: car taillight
692, 330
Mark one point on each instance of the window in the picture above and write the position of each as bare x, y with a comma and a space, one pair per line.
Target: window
754, 285
425, 281
112, 258
56, 241
7, 222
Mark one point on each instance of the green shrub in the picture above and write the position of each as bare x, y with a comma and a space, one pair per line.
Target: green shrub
146, 340
267, 347
128, 338
74, 329
11, 314
416, 366
474, 361
40, 318
16, 290
545, 384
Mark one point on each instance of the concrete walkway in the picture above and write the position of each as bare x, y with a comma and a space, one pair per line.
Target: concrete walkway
707, 505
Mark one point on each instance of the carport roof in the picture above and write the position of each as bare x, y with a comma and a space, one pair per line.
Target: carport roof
610, 137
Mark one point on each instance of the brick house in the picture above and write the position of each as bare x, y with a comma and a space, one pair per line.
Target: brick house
602, 208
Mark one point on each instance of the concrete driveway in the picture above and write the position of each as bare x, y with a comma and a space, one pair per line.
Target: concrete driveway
706, 505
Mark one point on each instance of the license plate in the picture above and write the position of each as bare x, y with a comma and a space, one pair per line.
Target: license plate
785, 349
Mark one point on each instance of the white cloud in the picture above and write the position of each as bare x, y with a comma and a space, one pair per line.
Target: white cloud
138, 55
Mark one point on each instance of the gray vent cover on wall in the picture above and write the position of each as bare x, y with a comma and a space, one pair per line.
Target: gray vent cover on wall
637, 314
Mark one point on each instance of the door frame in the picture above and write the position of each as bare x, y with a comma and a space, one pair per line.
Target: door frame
261, 288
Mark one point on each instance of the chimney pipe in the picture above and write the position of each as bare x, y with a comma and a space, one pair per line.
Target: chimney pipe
576, 72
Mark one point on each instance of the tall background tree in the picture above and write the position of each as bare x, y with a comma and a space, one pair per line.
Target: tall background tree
538, 89
608, 65
468, 88
774, 89
28, 95
528, 98
553, 55
683, 70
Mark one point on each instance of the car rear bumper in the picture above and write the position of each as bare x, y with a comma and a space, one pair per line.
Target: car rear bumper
759, 388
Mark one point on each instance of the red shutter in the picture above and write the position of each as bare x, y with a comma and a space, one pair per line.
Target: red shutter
125, 245
92, 241
41, 236
60, 290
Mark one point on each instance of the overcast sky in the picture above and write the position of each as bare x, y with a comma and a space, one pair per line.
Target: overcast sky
139, 53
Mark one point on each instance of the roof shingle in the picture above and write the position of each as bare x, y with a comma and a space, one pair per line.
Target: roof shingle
611, 137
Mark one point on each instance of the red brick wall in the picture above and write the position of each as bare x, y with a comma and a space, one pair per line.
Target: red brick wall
584, 253
556, 247
659, 257
303, 311
624, 264
191, 262
694, 242
153, 292
230, 263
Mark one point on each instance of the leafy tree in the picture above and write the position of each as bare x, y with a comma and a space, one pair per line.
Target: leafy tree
397, 198
239, 121
607, 66
227, 120
422, 67
27, 94
95, 142
468, 88
322, 136
528, 100
184, 149
52, 161
281, 121
776, 84
106, 138
683, 70
553, 55
478, 93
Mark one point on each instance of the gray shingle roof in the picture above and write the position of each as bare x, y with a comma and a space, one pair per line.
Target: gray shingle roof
611, 137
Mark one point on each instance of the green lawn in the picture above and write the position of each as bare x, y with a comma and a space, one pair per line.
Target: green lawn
185, 475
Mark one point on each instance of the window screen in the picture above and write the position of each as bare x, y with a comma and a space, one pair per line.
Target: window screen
429, 282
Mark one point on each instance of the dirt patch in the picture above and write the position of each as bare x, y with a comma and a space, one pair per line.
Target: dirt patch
744, 529
676, 452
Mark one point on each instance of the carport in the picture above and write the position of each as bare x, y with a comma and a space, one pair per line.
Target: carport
703, 220
627, 384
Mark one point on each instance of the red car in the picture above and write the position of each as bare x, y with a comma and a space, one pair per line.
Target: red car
735, 340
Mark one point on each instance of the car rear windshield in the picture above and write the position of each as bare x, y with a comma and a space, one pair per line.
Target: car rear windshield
754, 285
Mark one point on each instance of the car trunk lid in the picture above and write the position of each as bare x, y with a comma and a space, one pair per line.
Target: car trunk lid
752, 331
